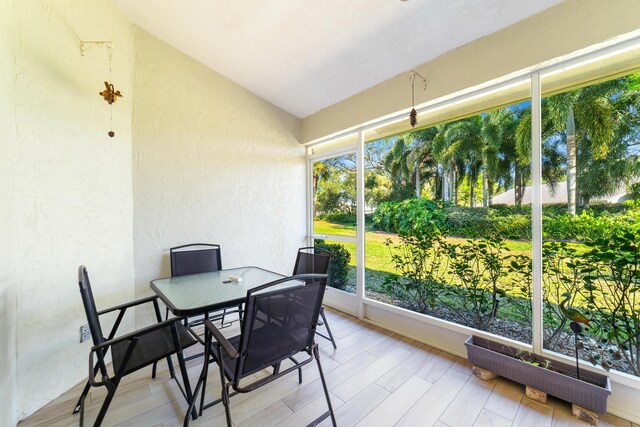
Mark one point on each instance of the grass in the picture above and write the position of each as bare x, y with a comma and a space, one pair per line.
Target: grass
378, 261
377, 254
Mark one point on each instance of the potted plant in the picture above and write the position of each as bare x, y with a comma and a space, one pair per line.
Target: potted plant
558, 379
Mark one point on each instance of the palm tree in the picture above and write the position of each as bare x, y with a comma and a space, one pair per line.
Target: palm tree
410, 161
421, 156
601, 173
480, 141
465, 138
448, 155
499, 151
395, 164
553, 156
587, 117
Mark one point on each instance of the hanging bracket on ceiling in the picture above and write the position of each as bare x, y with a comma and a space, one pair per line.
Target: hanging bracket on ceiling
415, 74
413, 115
86, 45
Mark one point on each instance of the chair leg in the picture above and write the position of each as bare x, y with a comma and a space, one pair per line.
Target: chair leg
80, 405
205, 373
202, 380
316, 354
81, 423
225, 402
172, 371
192, 404
326, 325
224, 313
111, 391
185, 381
83, 395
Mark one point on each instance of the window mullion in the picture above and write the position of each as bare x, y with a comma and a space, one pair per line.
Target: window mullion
536, 212
360, 230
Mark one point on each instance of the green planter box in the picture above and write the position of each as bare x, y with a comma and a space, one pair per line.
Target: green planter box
590, 392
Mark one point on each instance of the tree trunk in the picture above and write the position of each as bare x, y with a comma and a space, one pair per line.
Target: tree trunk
417, 179
315, 194
584, 202
571, 163
485, 185
517, 187
472, 191
490, 192
454, 185
445, 178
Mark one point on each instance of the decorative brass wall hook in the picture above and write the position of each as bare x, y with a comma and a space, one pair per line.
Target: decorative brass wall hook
110, 94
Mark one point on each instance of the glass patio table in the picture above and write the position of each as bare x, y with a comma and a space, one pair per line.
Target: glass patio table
195, 294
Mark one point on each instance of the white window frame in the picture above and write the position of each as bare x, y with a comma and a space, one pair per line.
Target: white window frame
358, 304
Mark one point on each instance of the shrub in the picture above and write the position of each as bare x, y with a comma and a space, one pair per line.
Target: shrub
341, 218
516, 226
503, 222
479, 266
411, 217
588, 226
421, 267
339, 264
414, 216
561, 265
470, 222
611, 276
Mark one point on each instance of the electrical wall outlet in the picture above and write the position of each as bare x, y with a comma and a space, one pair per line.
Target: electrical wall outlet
85, 332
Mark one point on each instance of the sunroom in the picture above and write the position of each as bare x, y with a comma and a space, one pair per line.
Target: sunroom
477, 178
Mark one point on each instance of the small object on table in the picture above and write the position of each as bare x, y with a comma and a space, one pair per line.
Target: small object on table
235, 278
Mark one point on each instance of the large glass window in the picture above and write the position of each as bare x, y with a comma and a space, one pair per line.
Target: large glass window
449, 223
334, 216
591, 220
448, 217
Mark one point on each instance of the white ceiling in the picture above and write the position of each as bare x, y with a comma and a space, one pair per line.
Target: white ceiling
305, 55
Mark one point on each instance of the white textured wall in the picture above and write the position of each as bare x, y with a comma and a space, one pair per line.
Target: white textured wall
212, 163
73, 193
8, 378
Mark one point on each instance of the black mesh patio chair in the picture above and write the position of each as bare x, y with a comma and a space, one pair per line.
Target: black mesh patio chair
268, 337
196, 258
312, 260
129, 352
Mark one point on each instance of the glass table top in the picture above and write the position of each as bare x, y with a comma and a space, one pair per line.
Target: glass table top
199, 293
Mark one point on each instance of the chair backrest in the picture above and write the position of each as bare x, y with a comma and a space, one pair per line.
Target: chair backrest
90, 306
312, 260
195, 258
280, 321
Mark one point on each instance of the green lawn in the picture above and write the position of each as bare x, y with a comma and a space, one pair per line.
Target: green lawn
378, 257
377, 254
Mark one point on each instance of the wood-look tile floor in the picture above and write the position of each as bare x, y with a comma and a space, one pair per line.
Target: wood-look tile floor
375, 377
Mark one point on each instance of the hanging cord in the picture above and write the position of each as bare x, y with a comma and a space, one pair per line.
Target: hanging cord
413, 115
111, 132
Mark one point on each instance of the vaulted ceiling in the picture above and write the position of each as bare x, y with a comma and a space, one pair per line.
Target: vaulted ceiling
305, 55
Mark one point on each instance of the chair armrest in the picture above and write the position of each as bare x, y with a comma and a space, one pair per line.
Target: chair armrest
221, 340
137, 333
128, 304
